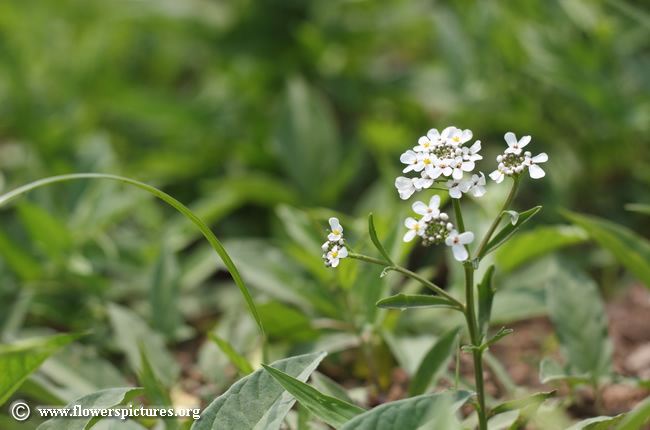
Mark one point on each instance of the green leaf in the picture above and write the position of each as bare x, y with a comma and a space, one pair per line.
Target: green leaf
638, 207
549, 371
630, 249
485, 297
286, 323
578, 315
508, 230
503, 332
239, 361
415, 301
521, 403
598, 423
409, 413
19, 260
637, 417
257, 401
529, 245
131, 331
103, 399
20, 359
168, 199
154, 389
375, 239
328, 386
164, 293
333, 411
45, 230
434, 362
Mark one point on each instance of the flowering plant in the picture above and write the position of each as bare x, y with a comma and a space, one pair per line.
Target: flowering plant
443, 161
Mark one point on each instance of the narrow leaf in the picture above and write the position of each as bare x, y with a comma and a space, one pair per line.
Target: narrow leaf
333, 411
638, 207
433, 363
409, 413
20, 359
637, 417
485, 297
415, 301
549, 371
514, 405
257, 401
508, 230
328, 386
94, 402
499, 335
238, 360
629, 249
375, 239
598, 423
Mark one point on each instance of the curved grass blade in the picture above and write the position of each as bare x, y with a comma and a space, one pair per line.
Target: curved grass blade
415, 301
433, 363
168, 199
375, 239
514, 405
333, 411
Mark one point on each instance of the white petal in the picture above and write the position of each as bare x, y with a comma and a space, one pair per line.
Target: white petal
434, 203
334, 261
409, 235
433, 134
458, 174
455, 193
420, 208
410, 222
468, 166
334, 224
524, 141
536, 172
466, 238
476, 147
460, 253
478, 190
495, 175
343, 253
510, 138
541, 158
465, 186
408, 157
447, 132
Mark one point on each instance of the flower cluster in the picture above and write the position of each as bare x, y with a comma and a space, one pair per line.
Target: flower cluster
442, 154
434, 227
334, 248
513, 161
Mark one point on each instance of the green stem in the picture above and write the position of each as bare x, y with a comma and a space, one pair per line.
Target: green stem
495, 223
410, 274
167, 198
459, 215
477, 354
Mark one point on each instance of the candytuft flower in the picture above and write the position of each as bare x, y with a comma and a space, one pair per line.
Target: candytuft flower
334, 249
458, 242
513, 162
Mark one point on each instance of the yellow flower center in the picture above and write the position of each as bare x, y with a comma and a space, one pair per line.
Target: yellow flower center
426, 161
336, 232
334, 254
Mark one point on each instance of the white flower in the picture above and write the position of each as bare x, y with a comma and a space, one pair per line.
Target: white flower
499, 174
415, 228
428, 212
442, 167
424, 144
336, 254
514, 146
471, 152
535, 171
458, 137
458, 242
428, 162
411, 159
423, 182
459, 165
337, 230
477, 185
405, 187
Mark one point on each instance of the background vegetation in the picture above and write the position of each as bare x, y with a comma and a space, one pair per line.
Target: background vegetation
258, 115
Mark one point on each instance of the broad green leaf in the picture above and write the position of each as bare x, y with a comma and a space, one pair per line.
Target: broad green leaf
164, 293
508, 230
433, 363
630, 249
333, 411
168, 199
375, 239
20, 359
131, 331
415, 301
94, 402
286, 323
45, 230
513, 405
257, 401
637, 417
405, 414
238, 360
549, 371
485, 297
578, 315
532, 244
598, 423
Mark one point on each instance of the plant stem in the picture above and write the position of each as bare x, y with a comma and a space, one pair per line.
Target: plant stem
477, 354
495, 223
410, 274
